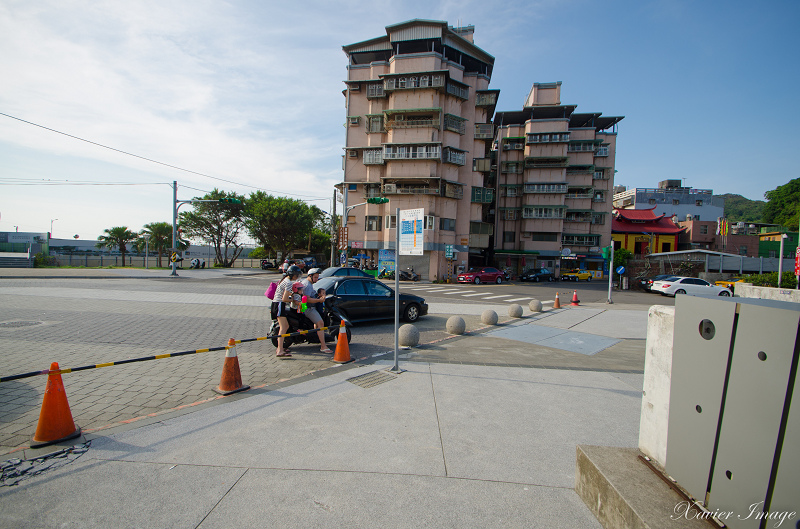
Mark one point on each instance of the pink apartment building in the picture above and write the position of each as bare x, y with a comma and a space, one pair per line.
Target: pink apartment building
555, 175
418, 106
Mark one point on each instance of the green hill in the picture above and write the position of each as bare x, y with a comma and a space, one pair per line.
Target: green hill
741, 209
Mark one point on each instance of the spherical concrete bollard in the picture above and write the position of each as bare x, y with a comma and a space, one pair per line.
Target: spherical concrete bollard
408, 335
489, 317
535, 305
514, 310
456, 325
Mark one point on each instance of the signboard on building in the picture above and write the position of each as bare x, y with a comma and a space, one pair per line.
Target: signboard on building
357, 244
411, 238
797, 262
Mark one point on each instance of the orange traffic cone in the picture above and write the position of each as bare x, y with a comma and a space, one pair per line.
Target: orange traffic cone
342, 354
55, 419
575, 301
231, 381
556, 303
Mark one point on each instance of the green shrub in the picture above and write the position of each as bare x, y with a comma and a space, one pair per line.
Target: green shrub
771, 280
258, 253
40, 260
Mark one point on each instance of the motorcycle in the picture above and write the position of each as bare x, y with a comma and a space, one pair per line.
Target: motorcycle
299, 322
386, 274
410, 275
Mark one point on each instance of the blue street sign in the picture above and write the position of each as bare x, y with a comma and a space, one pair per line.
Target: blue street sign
343, 258
620, 270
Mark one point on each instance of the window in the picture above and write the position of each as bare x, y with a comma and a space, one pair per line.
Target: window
372, 222
447, 224
353, 288
428, 222
373, 156
698, 202
544, 237
508, 236
598, 218
351, 187
377, 289
511, 167
391, 222
375, 90
697, 217
599, 196
651, 201
454, 156
375, 124
704, 229
545, 188
675, 202
510, 214
455, 123
411, 152
481, 228
531, 212
602, 151
510, 190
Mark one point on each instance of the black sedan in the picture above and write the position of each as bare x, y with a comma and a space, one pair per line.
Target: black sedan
537, 274
365, 299
343, 271
645, 283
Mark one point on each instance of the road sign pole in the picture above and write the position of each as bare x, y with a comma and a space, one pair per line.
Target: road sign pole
610, 273
174, 223
396, 367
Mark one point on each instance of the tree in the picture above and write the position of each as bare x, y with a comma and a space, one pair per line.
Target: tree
621, 257
217, 224
279, 223
117, 237
741, 209
783, 206
160, 239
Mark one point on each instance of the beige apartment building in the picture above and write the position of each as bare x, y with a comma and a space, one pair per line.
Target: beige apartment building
418, 106
555, 176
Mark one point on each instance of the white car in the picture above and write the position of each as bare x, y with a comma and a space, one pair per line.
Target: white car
675, 285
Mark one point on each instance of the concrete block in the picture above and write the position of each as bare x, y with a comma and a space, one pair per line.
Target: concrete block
535, 305
489, 317
621, 491
408, 335
456, 325
514, 310
654, 417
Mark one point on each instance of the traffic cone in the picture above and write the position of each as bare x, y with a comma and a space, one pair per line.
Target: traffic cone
55, 419
231, 381
575, 301
556, 303
342, 354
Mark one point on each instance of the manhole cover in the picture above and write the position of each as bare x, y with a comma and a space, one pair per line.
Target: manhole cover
373, 378
7, 324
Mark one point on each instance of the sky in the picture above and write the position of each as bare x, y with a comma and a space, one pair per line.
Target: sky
244, 95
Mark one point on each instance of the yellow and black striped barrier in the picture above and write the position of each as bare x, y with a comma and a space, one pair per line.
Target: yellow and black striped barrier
156, 357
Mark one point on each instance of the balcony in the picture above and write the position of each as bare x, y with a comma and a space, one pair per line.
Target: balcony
482, 195
459, 90
410, 82
550, 137
511, 167
454, 156
373, 156
484, 131
602, 151
580, 169
543, 162
485, 99
412, 152
375, 91
544, 212
580, 192
455, 124
544, 188
399, 189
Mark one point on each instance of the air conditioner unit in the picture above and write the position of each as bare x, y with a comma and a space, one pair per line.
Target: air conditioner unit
352, 154
389, 188
354, 120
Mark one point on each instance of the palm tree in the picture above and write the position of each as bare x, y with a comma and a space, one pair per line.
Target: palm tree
160, 237
117, 237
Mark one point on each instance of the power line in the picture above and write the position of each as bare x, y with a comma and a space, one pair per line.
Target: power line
144, 158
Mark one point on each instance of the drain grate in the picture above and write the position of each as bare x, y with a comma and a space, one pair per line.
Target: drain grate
7, 324
373, 378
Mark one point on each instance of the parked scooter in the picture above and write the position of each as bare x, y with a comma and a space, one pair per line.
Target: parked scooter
410, 275
386, 274
299, 322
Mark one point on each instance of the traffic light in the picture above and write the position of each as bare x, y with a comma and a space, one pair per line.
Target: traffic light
377, 200
230, 200
607, 252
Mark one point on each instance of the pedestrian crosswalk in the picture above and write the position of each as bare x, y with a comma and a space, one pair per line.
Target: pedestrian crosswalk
472, 294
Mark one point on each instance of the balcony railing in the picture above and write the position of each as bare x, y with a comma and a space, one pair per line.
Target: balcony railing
543, 162
412, 123
410, 190
413, 153
579, 195
484, 131
545, 188
485, 100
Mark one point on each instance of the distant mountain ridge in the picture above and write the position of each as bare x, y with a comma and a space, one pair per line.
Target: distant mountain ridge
741, 209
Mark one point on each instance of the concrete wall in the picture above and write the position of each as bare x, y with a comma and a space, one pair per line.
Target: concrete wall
656, 389
746, 290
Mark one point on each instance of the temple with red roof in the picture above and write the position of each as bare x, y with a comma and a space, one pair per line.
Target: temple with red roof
642, 232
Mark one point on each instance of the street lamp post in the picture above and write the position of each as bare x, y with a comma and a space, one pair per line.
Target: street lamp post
51, 227
780, 260
146, 237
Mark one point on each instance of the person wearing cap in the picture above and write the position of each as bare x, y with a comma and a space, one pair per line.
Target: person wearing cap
313, 300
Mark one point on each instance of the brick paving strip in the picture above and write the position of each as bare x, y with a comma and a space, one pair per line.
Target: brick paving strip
81, 322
